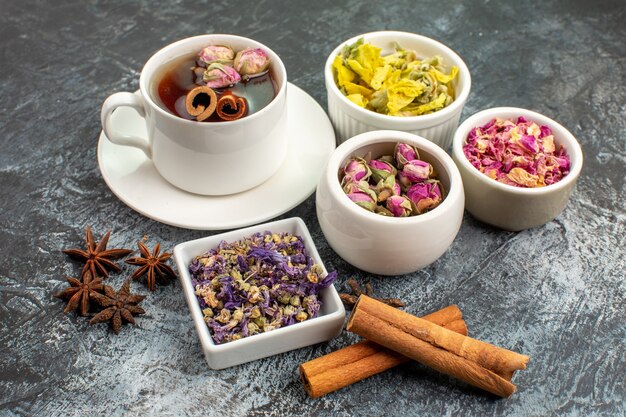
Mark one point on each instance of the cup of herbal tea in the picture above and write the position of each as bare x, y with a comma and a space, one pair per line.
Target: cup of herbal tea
215, 111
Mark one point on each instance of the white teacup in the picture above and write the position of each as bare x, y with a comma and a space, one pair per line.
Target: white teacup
206, 158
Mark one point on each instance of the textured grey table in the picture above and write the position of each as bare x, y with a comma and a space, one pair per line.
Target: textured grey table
555, 292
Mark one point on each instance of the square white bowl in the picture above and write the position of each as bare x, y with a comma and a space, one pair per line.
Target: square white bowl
327, 325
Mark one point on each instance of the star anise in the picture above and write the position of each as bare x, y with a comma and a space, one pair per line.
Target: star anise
119, 306
97, 258
152, 265
349, 300
80, 292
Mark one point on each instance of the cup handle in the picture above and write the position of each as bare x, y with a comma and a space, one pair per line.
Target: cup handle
124, 100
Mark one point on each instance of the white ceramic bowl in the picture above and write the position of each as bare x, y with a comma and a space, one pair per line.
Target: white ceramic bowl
326, 326
388, 245
350, 120
506, 206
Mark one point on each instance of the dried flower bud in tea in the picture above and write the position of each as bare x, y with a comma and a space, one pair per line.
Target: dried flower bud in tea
257, 284
251, 61
216, 53
220, 76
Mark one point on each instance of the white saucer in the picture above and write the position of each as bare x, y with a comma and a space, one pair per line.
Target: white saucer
134, 180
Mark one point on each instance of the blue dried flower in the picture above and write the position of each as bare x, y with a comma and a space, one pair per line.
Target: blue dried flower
257, 284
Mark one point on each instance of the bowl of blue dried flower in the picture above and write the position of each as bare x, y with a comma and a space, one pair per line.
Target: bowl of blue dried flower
258, 292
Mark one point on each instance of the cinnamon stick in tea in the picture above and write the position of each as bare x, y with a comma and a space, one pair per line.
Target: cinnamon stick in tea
231, 107
354, 363
201, 102
473, 361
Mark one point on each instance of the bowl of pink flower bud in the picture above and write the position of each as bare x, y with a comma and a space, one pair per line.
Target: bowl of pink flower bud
518, 167
390, 202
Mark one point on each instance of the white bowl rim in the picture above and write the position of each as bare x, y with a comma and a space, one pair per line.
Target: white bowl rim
276, 60
443, 114
560, 133
206, 340
393, 136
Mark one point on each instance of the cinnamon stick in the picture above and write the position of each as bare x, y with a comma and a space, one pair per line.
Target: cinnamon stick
354, 363
473, 361
231, 107
201, 102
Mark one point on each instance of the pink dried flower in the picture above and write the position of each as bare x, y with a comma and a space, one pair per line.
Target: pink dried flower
405, 153
425, 196
220, 76
364, 200
251, 61
378, 185
216, 53
386, 188
399, 205
355, 170
416, 170
381, 169
521, 153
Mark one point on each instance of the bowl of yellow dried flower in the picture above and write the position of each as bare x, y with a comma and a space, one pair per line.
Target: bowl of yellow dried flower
396, 81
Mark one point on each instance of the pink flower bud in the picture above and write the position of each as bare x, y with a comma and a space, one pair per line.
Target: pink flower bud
416, 170
386, 188
353, 187
425, 196
217, 53
403, 180
381, 169
405, 153
400, 206
355, 170
251, 61
364, 200
220, 76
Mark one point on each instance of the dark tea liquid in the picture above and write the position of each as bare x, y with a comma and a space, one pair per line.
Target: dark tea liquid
178, 79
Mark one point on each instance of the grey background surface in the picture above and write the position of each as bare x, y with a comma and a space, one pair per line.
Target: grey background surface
555, 292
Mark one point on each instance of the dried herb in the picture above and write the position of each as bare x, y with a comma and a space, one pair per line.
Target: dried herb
398, 185
349, 300
398, 84
251, 61
80, 292
120, 306
153, 266
97, 258
518, 153
257, 284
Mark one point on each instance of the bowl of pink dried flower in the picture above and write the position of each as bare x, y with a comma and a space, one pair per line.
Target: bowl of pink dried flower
390, 202
518, 167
